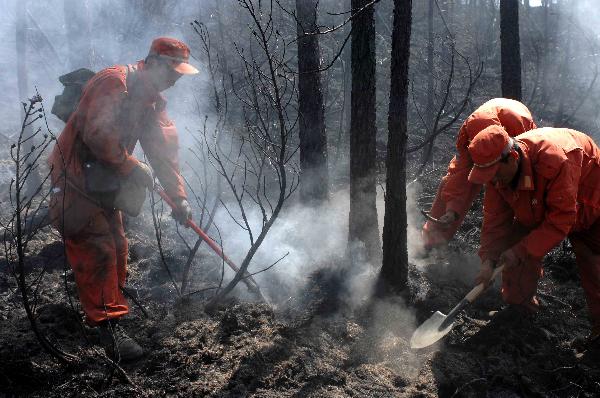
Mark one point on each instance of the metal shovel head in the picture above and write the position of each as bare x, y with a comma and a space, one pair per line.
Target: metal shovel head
429, 332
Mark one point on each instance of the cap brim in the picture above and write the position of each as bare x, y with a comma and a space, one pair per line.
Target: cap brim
184, 68
483, 175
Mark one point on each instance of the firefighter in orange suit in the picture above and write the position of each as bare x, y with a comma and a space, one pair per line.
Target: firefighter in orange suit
541, 187
120, 106
455, 193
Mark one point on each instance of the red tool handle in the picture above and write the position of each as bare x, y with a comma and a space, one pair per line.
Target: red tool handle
213, 245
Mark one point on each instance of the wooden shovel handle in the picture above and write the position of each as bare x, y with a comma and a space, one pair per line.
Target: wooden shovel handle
477, 290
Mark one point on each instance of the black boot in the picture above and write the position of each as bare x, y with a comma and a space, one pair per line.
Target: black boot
118, 344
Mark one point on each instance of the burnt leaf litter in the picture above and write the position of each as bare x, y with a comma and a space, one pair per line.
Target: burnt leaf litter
310, 345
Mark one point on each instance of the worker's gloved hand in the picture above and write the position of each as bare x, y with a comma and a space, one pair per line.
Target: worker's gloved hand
485, 273
514, 257
142, 174
183, 211
448, 218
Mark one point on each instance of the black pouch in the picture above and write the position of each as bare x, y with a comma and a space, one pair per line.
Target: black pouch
101, 182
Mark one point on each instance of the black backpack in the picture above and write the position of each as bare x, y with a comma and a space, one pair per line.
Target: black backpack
74, 82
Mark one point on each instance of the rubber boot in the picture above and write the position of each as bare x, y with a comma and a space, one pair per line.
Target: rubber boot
117, 344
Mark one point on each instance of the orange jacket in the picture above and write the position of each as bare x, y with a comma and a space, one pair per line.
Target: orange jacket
557, 193
108, 122
510, 114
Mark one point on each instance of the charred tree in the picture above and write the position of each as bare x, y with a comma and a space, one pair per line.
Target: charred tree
79, 41
342, 142
394, 270
363, 210
223, 54
429, 111
313, 141
21, 48
34, 180
262, 176
21, 220
545, 49
430, 64
563, 71
510, 49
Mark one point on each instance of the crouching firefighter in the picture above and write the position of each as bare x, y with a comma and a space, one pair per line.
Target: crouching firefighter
95, 177
456, 193
541, 187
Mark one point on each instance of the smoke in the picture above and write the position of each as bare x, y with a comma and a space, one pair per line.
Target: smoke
310, 238
315, 238
393, 325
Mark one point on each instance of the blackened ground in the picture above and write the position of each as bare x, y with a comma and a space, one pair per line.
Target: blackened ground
313, 344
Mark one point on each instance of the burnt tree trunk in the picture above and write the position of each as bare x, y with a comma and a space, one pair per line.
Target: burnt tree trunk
344, 126
450, 17
34, 180
545, 65
313, 141
21, 48
223, 53
394, 271
429, 114
569, 11
339, 148
363, 225
79, 41
510, 49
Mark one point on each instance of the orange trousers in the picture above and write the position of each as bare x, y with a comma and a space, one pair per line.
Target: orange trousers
98, 257
519, 284
435, 234
586, 245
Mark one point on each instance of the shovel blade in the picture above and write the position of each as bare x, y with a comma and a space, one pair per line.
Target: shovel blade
429, 332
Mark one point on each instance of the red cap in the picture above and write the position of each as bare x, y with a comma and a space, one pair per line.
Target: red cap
175, 51
486, 150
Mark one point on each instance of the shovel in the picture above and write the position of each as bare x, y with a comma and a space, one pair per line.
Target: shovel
438, 324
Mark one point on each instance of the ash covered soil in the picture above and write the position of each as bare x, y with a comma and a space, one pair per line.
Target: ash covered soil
309, 345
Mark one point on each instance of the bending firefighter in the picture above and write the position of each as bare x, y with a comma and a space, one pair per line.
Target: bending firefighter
455, 193
94, 175
541, 187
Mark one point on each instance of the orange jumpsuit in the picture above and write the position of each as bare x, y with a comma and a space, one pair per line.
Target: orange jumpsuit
117, 108
556, 195
455, 192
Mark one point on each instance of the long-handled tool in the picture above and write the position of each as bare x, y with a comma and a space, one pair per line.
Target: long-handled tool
438, 324
248, 280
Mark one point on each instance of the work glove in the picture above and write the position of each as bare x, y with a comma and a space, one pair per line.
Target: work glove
183, 212
448, 218
142, 175
514, 257
485, 273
